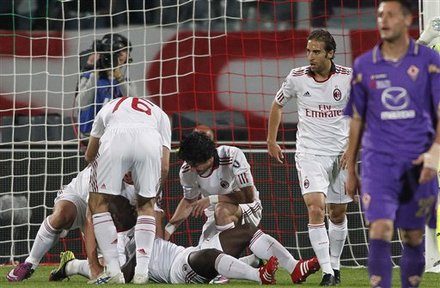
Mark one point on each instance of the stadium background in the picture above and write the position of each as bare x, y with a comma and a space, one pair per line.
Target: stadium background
223, 75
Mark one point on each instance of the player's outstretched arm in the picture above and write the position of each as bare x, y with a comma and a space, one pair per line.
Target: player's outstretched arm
183, 210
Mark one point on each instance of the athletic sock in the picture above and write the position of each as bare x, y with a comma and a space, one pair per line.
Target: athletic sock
233, 268
144, 234
78, 267
337, 233
44, 240
412, 265
107, 239
379, 263
264, 246
320, 243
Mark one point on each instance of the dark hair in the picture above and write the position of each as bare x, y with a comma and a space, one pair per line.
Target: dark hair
110, 45
323, 36
196, 148
406, 5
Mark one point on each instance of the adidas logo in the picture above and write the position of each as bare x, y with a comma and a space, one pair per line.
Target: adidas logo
307, 94
103, 280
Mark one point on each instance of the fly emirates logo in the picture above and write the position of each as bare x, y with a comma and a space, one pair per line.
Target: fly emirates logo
325, 111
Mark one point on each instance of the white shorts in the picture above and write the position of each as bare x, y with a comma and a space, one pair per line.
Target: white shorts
81, 207
182, 273
251, 213
138, 150
322, 174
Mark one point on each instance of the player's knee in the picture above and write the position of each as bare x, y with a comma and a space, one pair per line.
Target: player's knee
316, 214
381, 230
412, 238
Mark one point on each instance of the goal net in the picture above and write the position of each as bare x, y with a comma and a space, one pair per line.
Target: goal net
217, 63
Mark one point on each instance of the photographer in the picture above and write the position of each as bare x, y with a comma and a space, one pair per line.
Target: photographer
103, 78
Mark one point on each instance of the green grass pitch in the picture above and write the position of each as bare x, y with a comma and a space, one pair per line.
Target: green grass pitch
351, 278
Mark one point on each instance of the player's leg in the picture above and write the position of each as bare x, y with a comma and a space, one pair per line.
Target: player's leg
210, 262
264, 246
410, 219
313, 174
379, 194
63, 217
337, 234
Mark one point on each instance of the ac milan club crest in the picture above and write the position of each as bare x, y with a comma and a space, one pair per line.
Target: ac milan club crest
306, 183
337, 95
224, 184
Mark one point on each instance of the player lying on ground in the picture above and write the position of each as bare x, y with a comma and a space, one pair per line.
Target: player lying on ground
69, 213
171, 263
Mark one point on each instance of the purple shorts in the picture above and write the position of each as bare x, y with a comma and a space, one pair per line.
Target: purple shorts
390, 190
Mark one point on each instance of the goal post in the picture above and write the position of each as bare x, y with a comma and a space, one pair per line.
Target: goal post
217, 63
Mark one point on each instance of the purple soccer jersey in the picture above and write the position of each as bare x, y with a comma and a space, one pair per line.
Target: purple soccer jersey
398, 101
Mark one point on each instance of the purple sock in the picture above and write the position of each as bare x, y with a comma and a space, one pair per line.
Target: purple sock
412, 265
379, 263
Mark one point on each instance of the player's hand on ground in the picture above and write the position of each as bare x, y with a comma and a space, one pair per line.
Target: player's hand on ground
199, 207
275, 151
352, 186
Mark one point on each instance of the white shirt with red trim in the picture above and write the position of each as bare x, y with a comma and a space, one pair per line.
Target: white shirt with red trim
322, 126
232, 174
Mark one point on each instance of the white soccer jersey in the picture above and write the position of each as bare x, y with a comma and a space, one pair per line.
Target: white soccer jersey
322, 127
132, 132
233, 173
156, 117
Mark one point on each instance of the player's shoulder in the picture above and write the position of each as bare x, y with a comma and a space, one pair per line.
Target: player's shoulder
299, 71
226, 154
343, 70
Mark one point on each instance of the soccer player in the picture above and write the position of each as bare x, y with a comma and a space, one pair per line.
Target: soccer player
394, 106
128, 135
69, 213
175, 264
223, 178
321, 90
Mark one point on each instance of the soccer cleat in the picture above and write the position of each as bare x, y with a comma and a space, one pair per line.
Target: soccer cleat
337, 276
303, 269
104, 278
327, 280
21, 272
267, 272
140, 279
59, 274
219, 279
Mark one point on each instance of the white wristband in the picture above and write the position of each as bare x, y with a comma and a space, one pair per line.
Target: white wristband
213, 199
170, 228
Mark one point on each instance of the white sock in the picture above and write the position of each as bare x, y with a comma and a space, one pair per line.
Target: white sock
264, 246
78, 267
320, 243
144, 234
107, 239
337, 233
225, 227
44, 240
232, 268
251, 260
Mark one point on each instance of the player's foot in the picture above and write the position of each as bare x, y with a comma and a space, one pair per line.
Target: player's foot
21, 272
140, 279
327, 280
219, 279
303, 269
267, 272
337, 276
59, 274
105, 278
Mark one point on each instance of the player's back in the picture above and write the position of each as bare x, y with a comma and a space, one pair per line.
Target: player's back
131, 112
